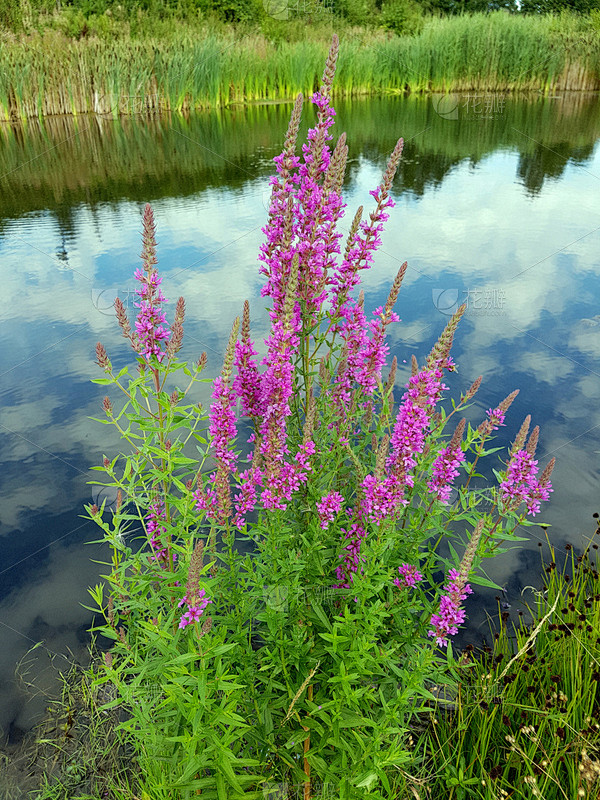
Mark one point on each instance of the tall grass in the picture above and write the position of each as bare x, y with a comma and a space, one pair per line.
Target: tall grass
526, 720
49, 74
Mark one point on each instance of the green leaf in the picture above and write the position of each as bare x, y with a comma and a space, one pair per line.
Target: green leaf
351, 720
225, 765
367, 781
318, 609
480, 581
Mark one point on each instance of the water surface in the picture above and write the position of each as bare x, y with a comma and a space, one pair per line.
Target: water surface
497, 204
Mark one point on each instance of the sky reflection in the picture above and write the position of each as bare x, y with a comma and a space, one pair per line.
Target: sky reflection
480, 215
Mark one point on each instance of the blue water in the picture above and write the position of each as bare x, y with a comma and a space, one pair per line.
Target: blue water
487, 212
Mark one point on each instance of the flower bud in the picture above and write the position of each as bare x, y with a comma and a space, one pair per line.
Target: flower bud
474, 388
101, 358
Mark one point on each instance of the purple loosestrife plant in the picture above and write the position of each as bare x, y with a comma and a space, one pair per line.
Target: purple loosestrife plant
283, 608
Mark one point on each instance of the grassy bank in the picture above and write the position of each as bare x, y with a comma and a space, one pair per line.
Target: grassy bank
190, 68
522, 720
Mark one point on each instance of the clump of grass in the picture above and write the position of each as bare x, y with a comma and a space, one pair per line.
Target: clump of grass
191, 68
75, 751
526, 719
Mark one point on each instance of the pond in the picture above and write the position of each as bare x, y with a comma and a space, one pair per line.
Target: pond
497, 205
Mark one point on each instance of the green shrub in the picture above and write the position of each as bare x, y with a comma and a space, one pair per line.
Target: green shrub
11, 15
402, 17
355, 12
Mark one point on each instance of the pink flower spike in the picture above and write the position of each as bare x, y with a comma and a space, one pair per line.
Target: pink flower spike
451, 615
184, 621
521, 485
328, 507
444, 470
496, 418
151, 335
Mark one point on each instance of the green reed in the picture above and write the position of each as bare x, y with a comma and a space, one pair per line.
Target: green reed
190, 69
526, 720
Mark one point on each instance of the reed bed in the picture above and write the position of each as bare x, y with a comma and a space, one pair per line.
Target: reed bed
49, 74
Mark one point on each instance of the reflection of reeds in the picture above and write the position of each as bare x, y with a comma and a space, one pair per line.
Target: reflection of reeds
44, 164
51, 75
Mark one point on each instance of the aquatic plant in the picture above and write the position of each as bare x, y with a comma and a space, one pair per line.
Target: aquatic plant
191, 68
302, 660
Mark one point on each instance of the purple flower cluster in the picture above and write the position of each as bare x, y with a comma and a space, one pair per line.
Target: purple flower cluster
277, 388
374, 351
300, 246
305, 207
521, 485
496, 418
409, 576
450, 612
222, 427
290, 478
246, 384
444, 471
195, 598
196, 606
150, 319
328, 507
364, 242
413, 420
299, 264
384, 496
355, 341
216, 498
276, 253
318, 208
245, 499
223, 432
